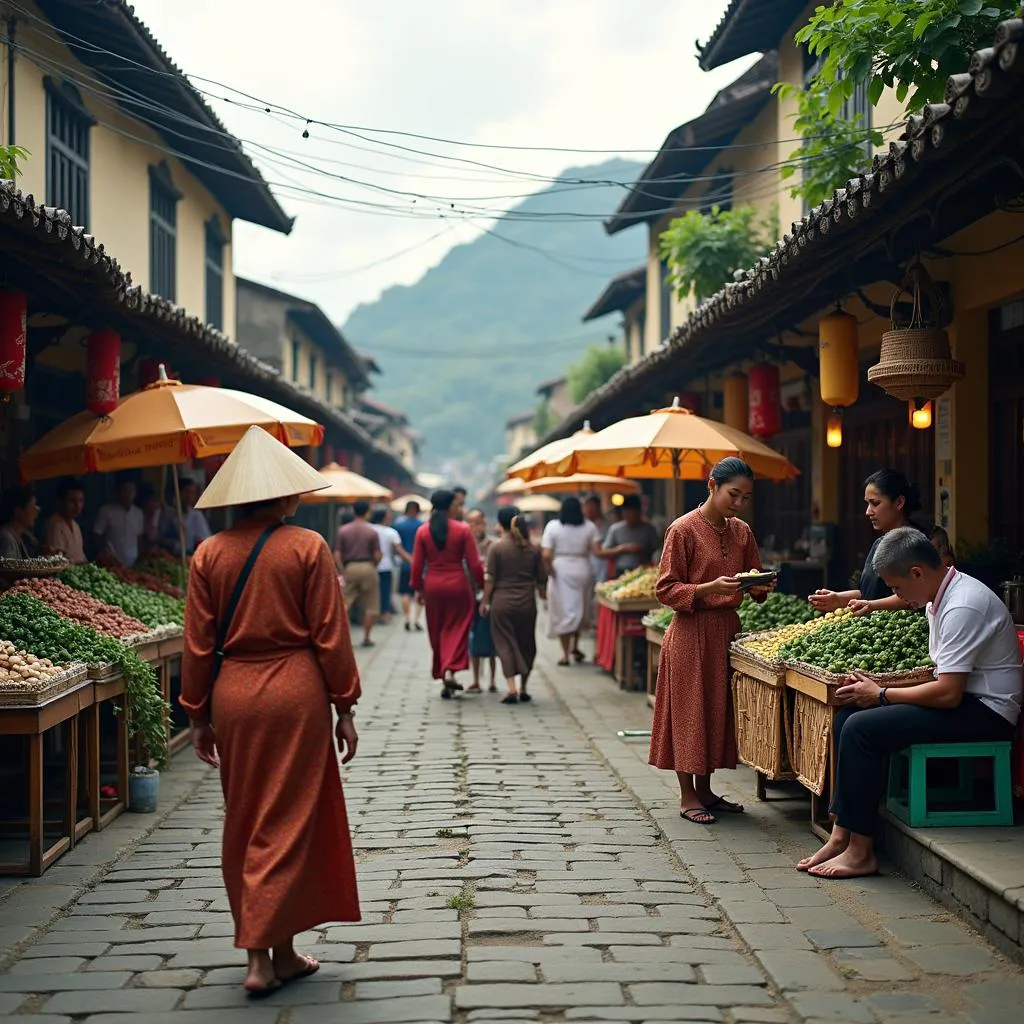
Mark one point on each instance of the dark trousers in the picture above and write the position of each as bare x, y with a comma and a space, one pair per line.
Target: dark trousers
386, 584
863, 738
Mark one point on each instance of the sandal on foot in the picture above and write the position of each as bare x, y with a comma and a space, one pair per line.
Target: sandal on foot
510, 698
524, 697
579, 656
475, 688
721, 804
312, 966
698, 816
446, 694
564, 662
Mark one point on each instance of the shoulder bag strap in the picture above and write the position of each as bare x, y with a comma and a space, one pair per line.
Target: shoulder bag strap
236, 596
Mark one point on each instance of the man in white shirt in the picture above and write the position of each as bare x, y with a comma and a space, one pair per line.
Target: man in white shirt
119, 526
391, 555
976, 695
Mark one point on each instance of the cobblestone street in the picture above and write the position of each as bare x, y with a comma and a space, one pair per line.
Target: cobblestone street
516, 864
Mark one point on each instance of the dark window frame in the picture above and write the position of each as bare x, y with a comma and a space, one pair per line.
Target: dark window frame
164, 197
296, 353
214, 241
314, 365
68, 150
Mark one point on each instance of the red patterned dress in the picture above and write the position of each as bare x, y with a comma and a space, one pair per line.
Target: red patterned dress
694, 729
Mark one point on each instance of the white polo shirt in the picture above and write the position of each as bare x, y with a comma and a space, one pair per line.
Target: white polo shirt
970, 630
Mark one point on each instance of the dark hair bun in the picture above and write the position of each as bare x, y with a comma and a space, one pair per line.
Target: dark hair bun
730, 468
894, 485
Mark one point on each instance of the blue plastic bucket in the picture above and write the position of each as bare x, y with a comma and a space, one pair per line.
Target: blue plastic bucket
143, 790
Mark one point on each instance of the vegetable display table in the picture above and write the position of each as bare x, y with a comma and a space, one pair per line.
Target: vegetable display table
619, 628
41, 817
655, 638
109, 765
761, 706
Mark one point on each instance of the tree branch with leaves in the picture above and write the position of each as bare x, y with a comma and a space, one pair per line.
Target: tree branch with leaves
598, 365
11, 157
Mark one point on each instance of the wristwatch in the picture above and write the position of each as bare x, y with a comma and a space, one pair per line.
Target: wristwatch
883, 701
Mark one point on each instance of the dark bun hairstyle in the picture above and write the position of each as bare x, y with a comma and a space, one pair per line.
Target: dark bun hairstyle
894, 485
514, 525
728, 469
441, 502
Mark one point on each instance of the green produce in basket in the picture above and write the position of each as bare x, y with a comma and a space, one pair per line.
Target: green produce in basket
35, 627
883, 642
777, 610
659, 618
145, 605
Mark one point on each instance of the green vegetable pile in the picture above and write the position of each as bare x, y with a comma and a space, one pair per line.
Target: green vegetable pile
777, 610
880, 642
170, 569
145, 605
35, 627
660, 618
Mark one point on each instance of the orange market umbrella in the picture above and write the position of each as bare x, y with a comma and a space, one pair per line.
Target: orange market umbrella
346, 486
671, 444
165, 423
578, 483
541, 463
398, 505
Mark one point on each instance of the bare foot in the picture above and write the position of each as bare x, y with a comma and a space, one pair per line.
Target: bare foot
831, 849
295, 966
846, 865
260, 980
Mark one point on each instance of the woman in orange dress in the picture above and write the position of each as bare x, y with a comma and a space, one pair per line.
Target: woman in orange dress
266, 718
694, 731
442, 552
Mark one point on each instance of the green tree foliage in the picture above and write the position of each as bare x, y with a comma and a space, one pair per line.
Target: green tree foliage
912, 46
703, 249
10, 158
833, 151
596, 367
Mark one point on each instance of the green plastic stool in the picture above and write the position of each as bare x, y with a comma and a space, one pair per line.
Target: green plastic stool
911, 806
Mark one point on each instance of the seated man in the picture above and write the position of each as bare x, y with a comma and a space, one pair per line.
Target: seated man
976, 695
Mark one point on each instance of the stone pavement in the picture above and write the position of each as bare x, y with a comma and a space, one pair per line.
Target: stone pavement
515, 864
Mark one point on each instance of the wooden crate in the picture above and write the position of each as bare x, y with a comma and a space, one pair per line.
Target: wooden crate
761, 707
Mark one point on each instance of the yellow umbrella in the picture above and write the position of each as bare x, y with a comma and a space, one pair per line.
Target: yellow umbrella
579, 482
671, 444
541, 462
538, 503
398, 505
346, 486
165, 423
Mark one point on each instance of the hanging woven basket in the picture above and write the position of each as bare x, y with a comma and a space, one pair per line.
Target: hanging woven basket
916, 361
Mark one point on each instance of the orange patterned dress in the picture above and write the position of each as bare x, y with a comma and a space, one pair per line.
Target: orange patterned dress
287, 852
694, 729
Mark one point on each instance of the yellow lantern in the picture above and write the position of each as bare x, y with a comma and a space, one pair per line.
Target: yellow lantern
919, 414
838, 362
834, 430
735, 398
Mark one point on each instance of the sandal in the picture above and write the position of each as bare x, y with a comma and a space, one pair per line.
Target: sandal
312, 966
510, 698
721, 804
446, 693
564, 663
698, 816
524, 697
475, 688
579, 656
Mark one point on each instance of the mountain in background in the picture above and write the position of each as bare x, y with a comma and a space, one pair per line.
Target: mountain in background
464, 347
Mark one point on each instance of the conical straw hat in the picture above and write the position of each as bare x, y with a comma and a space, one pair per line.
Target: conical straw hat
260, 469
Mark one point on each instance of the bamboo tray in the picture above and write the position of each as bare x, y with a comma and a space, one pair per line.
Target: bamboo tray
30, 568
636, 604
917, 675
22, 695
103, 671
750, 664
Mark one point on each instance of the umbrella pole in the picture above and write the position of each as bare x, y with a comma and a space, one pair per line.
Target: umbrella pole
181, 519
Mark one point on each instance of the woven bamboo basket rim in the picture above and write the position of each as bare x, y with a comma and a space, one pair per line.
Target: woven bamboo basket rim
922, 674
26, 696
741, 653
101, 671
24, 569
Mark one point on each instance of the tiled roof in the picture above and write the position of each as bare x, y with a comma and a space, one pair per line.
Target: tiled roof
692, 146
387, 411
976, 131
746, 27
123, 53
521, 417
45, 242
620, 293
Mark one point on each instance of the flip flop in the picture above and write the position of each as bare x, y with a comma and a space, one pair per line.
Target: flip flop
510, 699
564, 663
474, 689
312, 966
579, 656
524, 697
693, 814
721, 804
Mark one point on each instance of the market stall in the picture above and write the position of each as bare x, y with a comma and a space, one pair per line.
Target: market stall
655, 623
621, 634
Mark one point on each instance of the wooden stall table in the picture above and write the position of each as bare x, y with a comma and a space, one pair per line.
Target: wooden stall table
655, 638
171, 648
106, 763
34, 722
621, 625
762, 707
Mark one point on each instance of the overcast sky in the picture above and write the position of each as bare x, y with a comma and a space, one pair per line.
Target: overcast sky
610, 75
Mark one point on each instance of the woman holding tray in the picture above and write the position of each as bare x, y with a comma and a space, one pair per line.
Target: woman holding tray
693, 731
889, 502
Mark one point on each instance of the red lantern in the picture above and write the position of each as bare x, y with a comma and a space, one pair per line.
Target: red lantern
13, 314
765, 416
102, 372
149, 372
690, 400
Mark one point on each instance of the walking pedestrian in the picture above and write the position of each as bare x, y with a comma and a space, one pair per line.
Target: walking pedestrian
481, 645
459, 503
407, 527
265, 717
515, 575
357, 554
632, 542
566, 546
443, 550
693, 731
391, 554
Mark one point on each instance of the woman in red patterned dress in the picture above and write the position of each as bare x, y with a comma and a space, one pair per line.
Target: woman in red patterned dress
444, 548
694, 731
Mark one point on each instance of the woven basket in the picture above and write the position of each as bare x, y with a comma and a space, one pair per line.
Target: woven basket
23, 695
760, 710
917, 675
103, 671
809, 739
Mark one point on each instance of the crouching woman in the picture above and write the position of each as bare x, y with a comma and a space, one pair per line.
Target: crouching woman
975, 696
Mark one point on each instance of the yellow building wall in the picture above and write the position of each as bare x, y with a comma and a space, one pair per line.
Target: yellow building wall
121, 152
